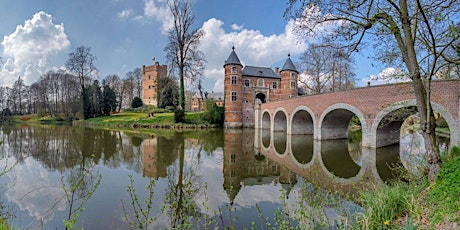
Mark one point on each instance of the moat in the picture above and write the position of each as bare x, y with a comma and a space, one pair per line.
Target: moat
223, 177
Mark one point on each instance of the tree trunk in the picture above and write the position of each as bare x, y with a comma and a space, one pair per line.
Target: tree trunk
181, 88
427, 124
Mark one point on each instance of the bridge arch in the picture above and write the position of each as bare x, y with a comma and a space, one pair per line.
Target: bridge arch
333, 123
302, 121
379, 136
266, 119
280, 120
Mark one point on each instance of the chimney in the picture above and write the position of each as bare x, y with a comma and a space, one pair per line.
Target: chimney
277, 70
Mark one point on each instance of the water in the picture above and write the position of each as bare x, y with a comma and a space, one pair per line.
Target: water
223, 178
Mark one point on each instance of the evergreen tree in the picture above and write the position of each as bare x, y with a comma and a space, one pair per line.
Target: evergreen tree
167, 92
109, 100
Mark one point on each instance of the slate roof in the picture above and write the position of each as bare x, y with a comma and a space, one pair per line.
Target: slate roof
288, 65
233, 59
216, 95
255, 71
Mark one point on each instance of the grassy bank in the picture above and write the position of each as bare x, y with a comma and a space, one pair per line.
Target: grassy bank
141, 120
416, 204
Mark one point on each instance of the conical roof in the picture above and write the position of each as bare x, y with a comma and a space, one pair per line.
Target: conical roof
233, 59
288, 65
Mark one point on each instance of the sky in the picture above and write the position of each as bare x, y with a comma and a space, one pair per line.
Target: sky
37, 35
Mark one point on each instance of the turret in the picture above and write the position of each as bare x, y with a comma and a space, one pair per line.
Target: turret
233, 90
289, 79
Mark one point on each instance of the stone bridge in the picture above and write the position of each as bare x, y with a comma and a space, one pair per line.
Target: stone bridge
380, 109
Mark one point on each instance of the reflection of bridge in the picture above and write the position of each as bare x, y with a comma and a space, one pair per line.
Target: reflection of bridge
327, 116
314, 159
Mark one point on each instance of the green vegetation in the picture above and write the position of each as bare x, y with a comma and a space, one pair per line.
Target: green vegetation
444, 196
416, 203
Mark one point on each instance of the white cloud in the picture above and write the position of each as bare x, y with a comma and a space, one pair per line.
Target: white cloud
127, 13
28, 48
158, 10
237, 27
251, 46
387, 76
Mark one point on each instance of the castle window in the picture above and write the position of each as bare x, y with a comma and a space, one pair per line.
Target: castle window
233, 69
260, 82
150, 77
233, 96
292, 84
233, 158
246, 82
293, 75
275, 85
233, 80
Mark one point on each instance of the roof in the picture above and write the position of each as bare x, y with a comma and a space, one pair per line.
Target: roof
288, 65
233, 59
254, 71
215, 95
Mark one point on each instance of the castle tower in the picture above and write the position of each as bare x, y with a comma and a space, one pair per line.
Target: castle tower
289, 79
233, 91
149, 78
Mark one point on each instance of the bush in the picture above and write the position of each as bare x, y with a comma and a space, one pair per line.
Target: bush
136, 102
179, 115
213, 114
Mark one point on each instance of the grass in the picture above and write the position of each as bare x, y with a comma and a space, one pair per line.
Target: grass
139, 120
415, 204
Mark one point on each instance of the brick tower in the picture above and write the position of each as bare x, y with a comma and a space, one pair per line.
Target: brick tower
149, 78
289, 77
233, 91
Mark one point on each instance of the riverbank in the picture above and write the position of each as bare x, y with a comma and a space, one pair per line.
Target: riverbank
127, 121
415, 203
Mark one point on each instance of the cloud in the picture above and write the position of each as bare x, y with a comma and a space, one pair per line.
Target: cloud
127, 13
251, 46
158, 10
28, 48
237, 27
387, 76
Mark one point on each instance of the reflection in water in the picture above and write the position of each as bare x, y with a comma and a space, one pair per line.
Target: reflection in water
266, 138
387, 160
279, 141
197, 174
337, 159
302, 148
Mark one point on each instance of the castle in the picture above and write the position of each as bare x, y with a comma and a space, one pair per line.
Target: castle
149, 77
246, 87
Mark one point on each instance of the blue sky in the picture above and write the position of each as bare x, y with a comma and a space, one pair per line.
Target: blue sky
36, 36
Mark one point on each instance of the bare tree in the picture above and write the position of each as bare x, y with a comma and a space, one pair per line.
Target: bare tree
81, 62
116, 83
418, 36
182, 48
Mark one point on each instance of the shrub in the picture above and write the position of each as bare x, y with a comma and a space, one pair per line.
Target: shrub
136, 102
179, 115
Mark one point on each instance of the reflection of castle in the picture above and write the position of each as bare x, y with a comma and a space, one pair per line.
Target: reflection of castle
152, 166
243, 166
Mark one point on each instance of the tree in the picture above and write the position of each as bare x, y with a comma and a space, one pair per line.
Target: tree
327, 69
167, 92
109, 99
81, 62
417, 36
116, 84
137, 102
182, 47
